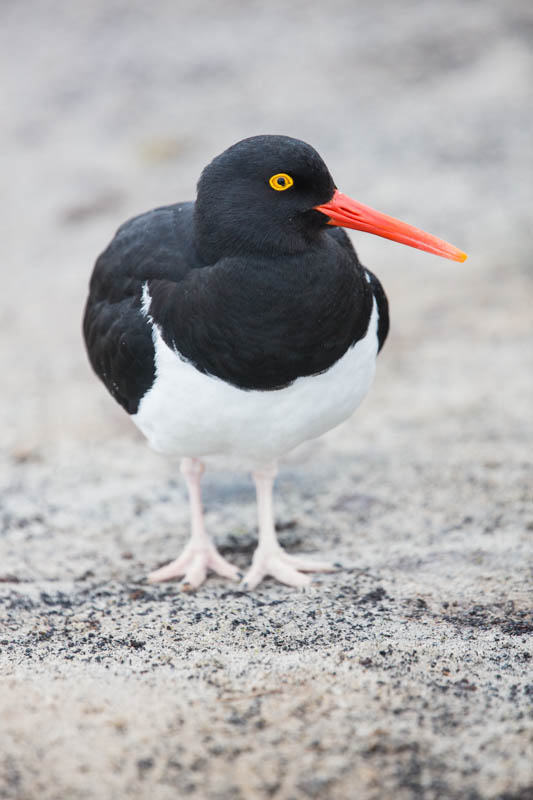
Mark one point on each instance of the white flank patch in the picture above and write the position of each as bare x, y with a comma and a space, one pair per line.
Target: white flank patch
188, 413
146, 301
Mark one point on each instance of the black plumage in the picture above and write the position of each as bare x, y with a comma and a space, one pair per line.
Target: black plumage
249, 285
243, 324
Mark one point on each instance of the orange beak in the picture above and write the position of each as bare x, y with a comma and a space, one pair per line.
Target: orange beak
348, 213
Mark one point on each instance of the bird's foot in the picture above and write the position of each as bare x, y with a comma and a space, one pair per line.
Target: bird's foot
287, 569
193, 565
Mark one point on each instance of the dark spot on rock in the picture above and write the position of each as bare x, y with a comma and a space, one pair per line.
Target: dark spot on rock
315, 787
374, 596
518, 627
85, 575
287, 526
57, 599
26, 457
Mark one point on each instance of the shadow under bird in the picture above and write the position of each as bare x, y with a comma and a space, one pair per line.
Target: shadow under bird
242, 325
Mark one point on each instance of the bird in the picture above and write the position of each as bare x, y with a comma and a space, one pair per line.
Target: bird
241, 325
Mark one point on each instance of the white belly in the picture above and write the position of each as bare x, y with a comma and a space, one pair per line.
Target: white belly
188, 413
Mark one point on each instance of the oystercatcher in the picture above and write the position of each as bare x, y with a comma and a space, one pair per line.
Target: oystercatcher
243, 324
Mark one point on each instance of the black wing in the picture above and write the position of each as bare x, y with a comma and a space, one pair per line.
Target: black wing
377, 289
260, 323
117, 334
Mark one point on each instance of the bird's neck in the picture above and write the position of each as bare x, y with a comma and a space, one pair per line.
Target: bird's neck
217, 238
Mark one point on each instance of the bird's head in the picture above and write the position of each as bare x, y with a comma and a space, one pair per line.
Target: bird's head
269, 195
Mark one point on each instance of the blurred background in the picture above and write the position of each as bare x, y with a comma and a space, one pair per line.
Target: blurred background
421, 109
406, 672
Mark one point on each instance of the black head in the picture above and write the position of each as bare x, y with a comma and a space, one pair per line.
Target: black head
258, 197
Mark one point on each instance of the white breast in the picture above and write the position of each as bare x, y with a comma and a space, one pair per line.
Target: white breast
188, 413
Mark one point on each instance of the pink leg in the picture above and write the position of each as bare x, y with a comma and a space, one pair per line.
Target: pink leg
270, 558
200, 553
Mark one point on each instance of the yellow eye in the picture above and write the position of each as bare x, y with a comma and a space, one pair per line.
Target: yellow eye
281, 181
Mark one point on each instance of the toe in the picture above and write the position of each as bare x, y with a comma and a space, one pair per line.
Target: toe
288, 575
253, 578
195, 574
308, 565
279, 570
173, 570
222, 567
193, 565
